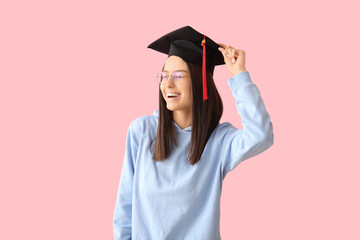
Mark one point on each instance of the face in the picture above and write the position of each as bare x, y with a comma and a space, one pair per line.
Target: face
183, 91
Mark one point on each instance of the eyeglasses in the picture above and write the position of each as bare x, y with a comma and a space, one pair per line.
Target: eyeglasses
177, 77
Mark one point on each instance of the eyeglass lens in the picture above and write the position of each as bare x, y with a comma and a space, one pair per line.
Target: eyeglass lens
163, 77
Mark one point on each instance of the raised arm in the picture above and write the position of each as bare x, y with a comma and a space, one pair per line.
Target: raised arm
257, 133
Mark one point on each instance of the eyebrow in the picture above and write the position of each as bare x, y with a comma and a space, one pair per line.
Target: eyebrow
175, 71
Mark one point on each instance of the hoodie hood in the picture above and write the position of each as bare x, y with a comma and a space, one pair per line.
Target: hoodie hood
177, 127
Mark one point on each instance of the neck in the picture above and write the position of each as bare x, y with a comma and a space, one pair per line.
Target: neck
183, 118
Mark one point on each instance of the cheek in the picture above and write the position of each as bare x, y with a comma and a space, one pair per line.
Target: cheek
162, 91
189, 94
190, 91
186, 87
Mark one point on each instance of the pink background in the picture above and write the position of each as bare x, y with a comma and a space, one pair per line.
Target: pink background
74, 74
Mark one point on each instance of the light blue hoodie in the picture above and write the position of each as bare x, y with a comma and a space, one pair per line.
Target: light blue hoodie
172, 199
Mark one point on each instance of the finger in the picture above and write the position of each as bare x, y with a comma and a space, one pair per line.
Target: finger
233, 59
226, 58
239, 51
221, 49
241, 54
228, 51
222, 45
222, 52
229, 48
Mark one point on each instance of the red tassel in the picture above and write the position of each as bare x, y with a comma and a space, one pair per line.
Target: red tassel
205, 93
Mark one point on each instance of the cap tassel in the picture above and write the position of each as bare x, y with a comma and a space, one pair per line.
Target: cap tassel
205, 93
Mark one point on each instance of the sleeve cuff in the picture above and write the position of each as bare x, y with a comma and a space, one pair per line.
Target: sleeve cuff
239, 80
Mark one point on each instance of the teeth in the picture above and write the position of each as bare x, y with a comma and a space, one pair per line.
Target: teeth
172, 95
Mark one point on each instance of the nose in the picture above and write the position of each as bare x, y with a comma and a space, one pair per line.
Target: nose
169, 82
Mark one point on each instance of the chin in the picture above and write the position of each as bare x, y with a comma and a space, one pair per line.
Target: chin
170, 108
174, 107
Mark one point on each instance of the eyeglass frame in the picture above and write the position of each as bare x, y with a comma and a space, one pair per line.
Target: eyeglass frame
167, 77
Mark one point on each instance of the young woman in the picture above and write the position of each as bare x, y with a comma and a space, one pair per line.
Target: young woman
176, 159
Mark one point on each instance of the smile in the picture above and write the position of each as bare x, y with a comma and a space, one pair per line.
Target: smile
172, 96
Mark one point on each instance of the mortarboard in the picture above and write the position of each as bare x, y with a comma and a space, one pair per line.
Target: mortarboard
193, 47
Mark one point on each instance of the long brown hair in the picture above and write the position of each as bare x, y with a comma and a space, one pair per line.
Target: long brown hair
205, 118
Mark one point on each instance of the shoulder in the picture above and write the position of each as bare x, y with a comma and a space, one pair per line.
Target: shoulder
224, 130
224, 127
144, 124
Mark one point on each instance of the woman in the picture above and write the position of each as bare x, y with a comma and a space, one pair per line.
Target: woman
176, 159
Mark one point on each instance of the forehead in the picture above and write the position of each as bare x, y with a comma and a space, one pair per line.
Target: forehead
175, 63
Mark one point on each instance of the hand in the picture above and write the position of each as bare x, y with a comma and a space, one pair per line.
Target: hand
234, 58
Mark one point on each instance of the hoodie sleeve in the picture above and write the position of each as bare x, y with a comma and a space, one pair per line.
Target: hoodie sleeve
123, 208
257, 133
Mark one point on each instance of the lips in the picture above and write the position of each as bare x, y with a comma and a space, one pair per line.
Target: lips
172, 95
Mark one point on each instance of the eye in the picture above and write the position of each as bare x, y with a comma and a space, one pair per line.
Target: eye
177, 75
161, 77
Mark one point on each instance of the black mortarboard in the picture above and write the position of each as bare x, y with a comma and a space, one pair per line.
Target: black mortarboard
189, 44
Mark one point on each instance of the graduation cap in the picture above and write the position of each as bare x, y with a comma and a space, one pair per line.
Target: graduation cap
193, 47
